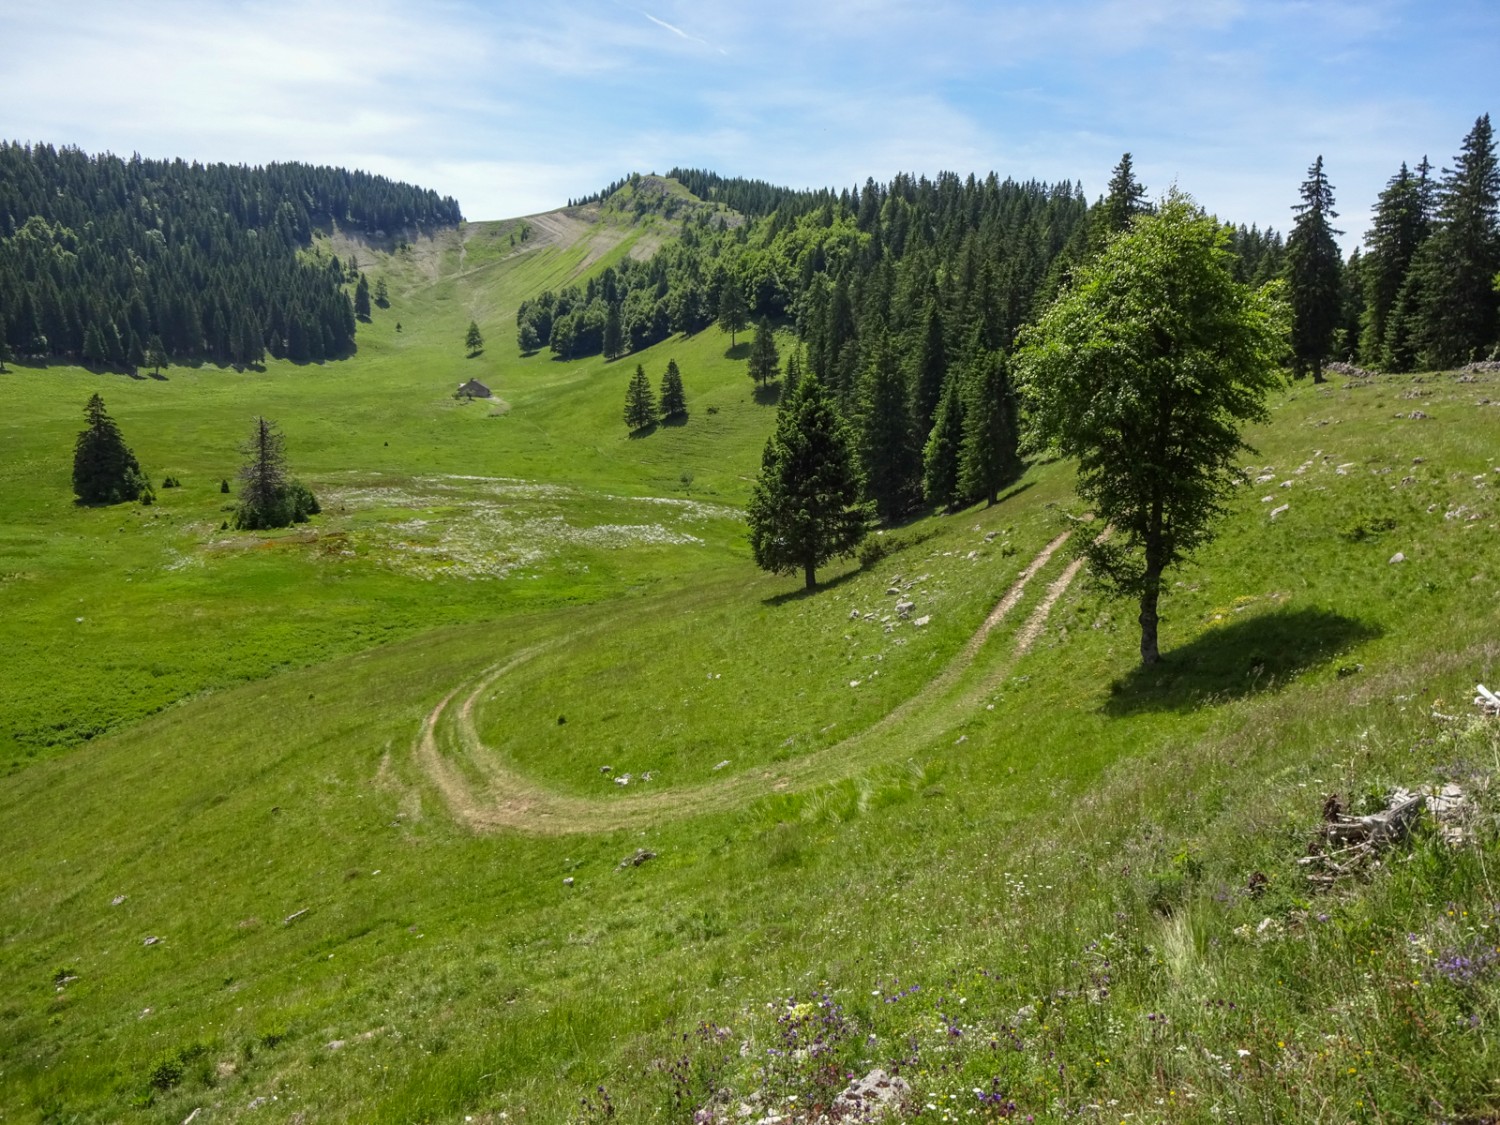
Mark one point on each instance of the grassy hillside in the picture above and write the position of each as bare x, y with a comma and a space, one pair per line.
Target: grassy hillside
352, 779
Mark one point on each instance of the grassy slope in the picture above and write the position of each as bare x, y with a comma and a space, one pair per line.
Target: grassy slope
1074, 821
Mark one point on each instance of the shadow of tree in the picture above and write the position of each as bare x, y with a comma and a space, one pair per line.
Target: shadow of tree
675, 419
1246, 657
740, 350
803, 592
643, 432
768, 394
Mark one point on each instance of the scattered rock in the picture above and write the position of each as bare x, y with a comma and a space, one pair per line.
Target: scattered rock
903, 609
1348, 370
336, 1045
1277, 511
568, 881
292, 917
855, 615
606, 769
117, 900
1415, 415
1398, 557
854, 683
256, 1103
190, 1118
1286, 484
640, 857
1487, 701
893, 591
873, 1097
151, 941
623, 779
923, 620
990, 537
722, 764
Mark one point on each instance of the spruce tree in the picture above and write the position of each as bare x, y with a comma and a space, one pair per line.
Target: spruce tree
1126, 198
988, 456
888, 452
673, 399
940, 455
105, 471
1399, 228
156, 355
270, 498
613, 337
640, 404
382, 293
734, 315
1458, 313
474, 340
931, 369
793, 371
362, 298
765, 362
804, 508
1314, 268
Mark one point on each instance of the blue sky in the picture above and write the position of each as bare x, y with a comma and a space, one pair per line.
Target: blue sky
514, 107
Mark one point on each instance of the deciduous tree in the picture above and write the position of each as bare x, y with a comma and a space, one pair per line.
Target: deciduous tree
1145, 371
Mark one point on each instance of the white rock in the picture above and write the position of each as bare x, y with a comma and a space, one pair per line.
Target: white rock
919, 622
1277, 511
1398, 557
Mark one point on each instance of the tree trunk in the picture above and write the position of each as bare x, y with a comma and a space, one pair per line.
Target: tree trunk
809, 571
1148, 618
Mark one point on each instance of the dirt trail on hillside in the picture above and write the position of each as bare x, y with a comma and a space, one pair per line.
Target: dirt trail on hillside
486, 796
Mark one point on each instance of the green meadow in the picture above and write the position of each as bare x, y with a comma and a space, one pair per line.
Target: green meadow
350, 822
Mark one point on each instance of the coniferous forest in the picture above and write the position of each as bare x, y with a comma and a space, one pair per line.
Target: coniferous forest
121, 263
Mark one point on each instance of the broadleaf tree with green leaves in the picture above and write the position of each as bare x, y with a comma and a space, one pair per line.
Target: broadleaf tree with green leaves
1146, 370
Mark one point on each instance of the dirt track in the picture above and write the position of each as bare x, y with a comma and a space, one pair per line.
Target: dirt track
485, 796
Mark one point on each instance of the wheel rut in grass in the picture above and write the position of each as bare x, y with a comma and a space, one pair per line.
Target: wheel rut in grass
484, 795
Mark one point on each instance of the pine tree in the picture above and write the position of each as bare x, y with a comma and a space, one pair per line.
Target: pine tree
1458, 312
1125, 200
941, 453
613, 345
931, 370
1399, 228
804, 508
734, 315
474, 341
156, 355
640, 404
988, 455
382, 293
764, 362
268, 496
105, 471
1314, 268
673, 398
793, 371
362, 298
888, 452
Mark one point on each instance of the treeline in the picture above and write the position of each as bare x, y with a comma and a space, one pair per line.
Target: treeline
1424, 292
121, 263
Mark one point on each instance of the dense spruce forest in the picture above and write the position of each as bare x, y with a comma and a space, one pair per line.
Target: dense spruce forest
905, 298
121, 263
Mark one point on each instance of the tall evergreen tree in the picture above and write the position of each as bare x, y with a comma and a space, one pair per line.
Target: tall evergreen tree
988, 456
941, 453
1314, 266
269, 497
805, 508
931, 369
793, 370
382, 293
734, 314
673, 398
764, 362
613, 336
474, 339
640, 404
1459, 313
889, 455
1399, 228
105, 471
362, 298
1125, 199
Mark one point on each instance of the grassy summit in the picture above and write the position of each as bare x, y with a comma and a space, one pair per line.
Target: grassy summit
343, 774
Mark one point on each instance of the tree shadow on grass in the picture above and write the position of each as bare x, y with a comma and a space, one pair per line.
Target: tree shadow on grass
740, 350
1247, 657
803, 592
675, 420
768, 394
643, 432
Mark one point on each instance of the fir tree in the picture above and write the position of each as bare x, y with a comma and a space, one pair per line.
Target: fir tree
931, 370
613, 345
474, 340
988, 455
1314, 268
1458, 311
734, 314
640, 404
105, 471
362, 298
269, 498
888, 452
793, 370
764, 362
673, 398
1126, 198
804, 508
156, 355
941, 453
1399, 228
382, 293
